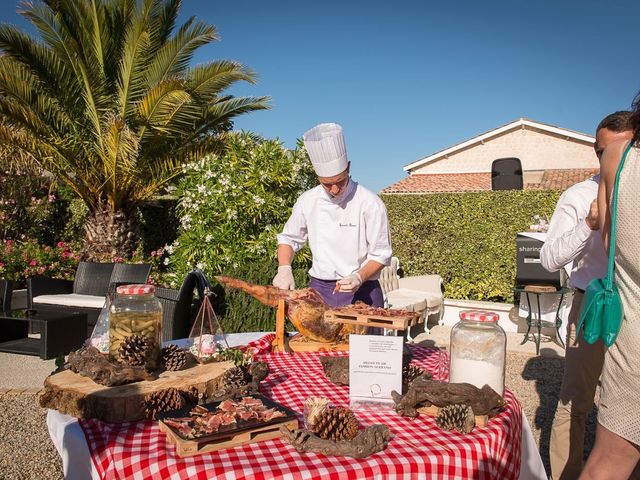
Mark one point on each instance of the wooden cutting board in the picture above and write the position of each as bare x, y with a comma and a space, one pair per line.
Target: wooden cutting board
78, 396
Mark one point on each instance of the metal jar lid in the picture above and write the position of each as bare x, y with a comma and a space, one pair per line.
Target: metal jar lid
479, 316
137, 289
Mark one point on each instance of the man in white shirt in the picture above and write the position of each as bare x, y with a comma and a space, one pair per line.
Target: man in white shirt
345, 224
573, 237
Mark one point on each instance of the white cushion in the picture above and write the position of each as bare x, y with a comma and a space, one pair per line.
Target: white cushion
71, 300
413, 300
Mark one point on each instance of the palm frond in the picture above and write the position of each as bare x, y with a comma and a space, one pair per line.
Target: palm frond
160, 105
208, 80
163, 20
173, 58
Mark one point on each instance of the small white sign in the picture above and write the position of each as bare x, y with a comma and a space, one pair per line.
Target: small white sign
375, 369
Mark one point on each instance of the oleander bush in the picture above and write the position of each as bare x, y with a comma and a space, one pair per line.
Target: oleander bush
467, 238
231, 207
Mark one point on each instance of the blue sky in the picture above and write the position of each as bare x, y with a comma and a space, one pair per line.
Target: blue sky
409, 78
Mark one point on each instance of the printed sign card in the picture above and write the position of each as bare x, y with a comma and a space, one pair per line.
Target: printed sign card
375, 369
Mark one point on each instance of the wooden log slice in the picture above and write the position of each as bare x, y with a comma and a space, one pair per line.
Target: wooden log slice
81, 397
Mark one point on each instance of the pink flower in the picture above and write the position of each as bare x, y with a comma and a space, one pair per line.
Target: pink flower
1, 265
9, 242
47, 248
60, 244
33, 263
41, 270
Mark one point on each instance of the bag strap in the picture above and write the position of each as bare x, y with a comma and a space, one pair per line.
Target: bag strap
614, 216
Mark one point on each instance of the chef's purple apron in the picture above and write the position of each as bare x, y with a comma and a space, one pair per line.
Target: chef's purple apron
369, 293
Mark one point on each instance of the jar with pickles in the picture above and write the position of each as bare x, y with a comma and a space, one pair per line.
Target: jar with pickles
135, 311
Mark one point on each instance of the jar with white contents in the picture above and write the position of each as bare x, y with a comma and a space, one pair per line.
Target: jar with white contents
478, 350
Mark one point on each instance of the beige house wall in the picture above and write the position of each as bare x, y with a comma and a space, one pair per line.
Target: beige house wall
536, 149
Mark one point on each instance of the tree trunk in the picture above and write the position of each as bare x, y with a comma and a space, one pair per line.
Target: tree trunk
110, 234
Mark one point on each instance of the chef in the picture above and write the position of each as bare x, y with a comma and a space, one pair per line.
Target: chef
345, 224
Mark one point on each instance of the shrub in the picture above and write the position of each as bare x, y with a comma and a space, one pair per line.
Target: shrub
158, 224
240, 312
32, 206
20, 260
232, 206
467, 238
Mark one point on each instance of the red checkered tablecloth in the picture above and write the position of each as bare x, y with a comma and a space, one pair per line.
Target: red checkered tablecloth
418, 450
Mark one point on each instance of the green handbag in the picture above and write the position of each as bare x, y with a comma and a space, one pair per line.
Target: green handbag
601, 313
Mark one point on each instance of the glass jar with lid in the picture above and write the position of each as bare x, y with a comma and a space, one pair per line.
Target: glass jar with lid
135, 311
478, 350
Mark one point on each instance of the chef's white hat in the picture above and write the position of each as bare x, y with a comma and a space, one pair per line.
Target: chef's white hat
326, 149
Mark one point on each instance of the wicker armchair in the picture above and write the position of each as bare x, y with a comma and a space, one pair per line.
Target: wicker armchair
177, 308
87, 292
6, 290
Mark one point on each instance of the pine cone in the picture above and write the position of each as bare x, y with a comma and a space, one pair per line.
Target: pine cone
163, 401
135, 350
336, 423
235, 377
457, 417
410, 373
174, 358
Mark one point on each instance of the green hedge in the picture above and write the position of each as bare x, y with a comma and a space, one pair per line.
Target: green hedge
240, 312
467, 238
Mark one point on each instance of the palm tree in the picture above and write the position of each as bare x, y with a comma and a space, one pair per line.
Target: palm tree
106, 101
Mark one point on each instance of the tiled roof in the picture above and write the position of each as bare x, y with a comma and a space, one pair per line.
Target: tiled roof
478, 182
446, 182
562, 179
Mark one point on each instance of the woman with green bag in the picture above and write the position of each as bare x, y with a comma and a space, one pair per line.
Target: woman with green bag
617, 448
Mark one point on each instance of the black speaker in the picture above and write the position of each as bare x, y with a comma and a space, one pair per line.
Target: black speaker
529, 270
506, 174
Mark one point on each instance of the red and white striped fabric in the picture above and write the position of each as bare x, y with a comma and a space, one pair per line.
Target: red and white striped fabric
137, 289
418, 449
479, 316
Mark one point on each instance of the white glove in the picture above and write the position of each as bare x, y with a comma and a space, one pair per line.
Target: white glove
284, 278
350, 283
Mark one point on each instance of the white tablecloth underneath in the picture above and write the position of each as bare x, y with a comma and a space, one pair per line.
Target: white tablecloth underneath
68, 437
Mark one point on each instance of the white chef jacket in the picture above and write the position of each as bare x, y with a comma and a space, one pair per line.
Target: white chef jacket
342, 237
570, 239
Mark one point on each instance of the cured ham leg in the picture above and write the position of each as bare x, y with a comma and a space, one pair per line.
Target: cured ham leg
305, 308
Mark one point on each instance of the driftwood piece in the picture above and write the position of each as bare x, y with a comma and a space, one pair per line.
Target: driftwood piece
336, 369
426, 392
369, 441
89, 362
258, 371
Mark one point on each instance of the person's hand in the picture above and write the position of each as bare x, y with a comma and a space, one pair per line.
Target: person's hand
284, 278
592, 218
350, 283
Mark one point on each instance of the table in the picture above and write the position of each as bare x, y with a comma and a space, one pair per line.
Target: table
418, 450
60, 332
536, 319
